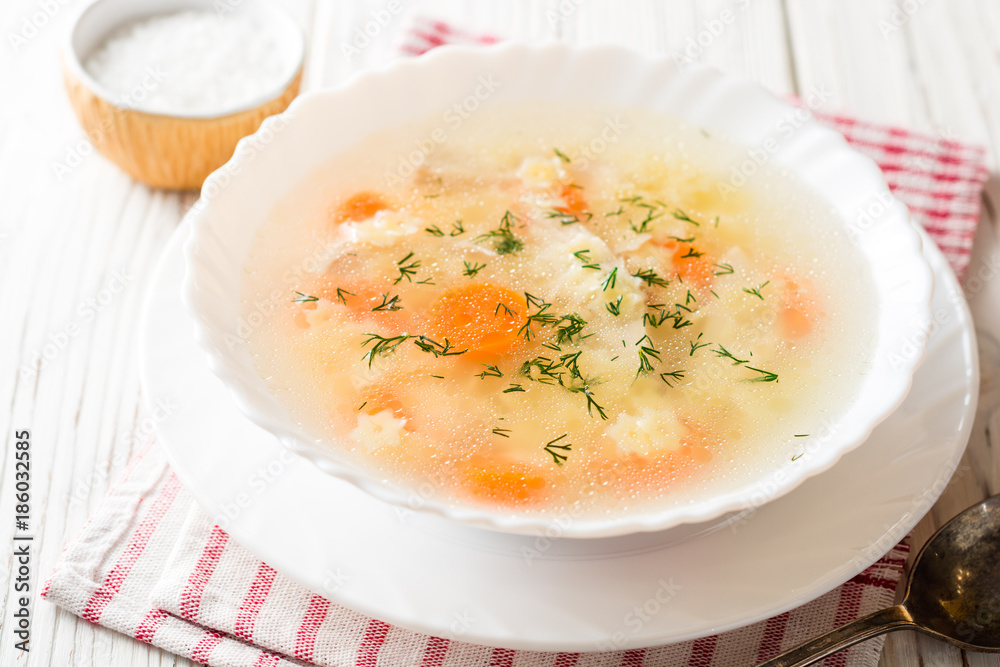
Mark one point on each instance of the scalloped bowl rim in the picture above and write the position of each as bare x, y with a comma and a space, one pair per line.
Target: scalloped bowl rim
902, 323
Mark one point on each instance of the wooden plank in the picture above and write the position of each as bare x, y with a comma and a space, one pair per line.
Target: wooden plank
952, 59
979, 28
61, 240
746, 38
894, 67
840, 48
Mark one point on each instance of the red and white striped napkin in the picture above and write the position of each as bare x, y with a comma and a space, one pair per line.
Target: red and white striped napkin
151, 564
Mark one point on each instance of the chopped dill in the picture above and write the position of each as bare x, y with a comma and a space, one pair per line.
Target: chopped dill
434, 230
651, 278
547, 370
714, 294
570, 361
797, 457
644, 224
406, 270
680, 321
437, 349
508, 245
676, 376
388, 304
304, 298
695, 344
690, 298
645, 354
680, 240
490, 372
439, 377
426, 281
613, 213
801, 435
456, 228
506, 311
432, 196
592, 403
614, 307
382, 347
551, 447
552, 346
566, 373
569, 326
513, 388
562, 156
341, 297
765, 376
472, 269
506, 242
541, 317
726, 354
662, 315
681, 215
535, 302
567, 218
610, 280
726, 269
362, 406
654, 319
692, 253
502, 432
584, 256
756, 290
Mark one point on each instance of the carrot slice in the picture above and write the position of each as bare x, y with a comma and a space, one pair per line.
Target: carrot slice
691, 263
794, 323
575, 202
795, 317
359, 207
505, 486
481, 317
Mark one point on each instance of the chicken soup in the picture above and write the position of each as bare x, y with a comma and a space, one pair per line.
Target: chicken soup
546, 309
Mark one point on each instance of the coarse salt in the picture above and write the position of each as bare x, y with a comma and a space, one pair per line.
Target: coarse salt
190, 62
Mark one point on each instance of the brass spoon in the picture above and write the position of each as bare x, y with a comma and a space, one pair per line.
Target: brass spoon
952, 594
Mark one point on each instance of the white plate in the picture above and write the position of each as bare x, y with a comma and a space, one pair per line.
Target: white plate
424, 573
237, 198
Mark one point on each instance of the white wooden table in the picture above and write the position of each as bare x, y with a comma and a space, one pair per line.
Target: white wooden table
78, 238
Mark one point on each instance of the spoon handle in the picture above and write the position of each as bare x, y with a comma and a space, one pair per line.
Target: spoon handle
866, 627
